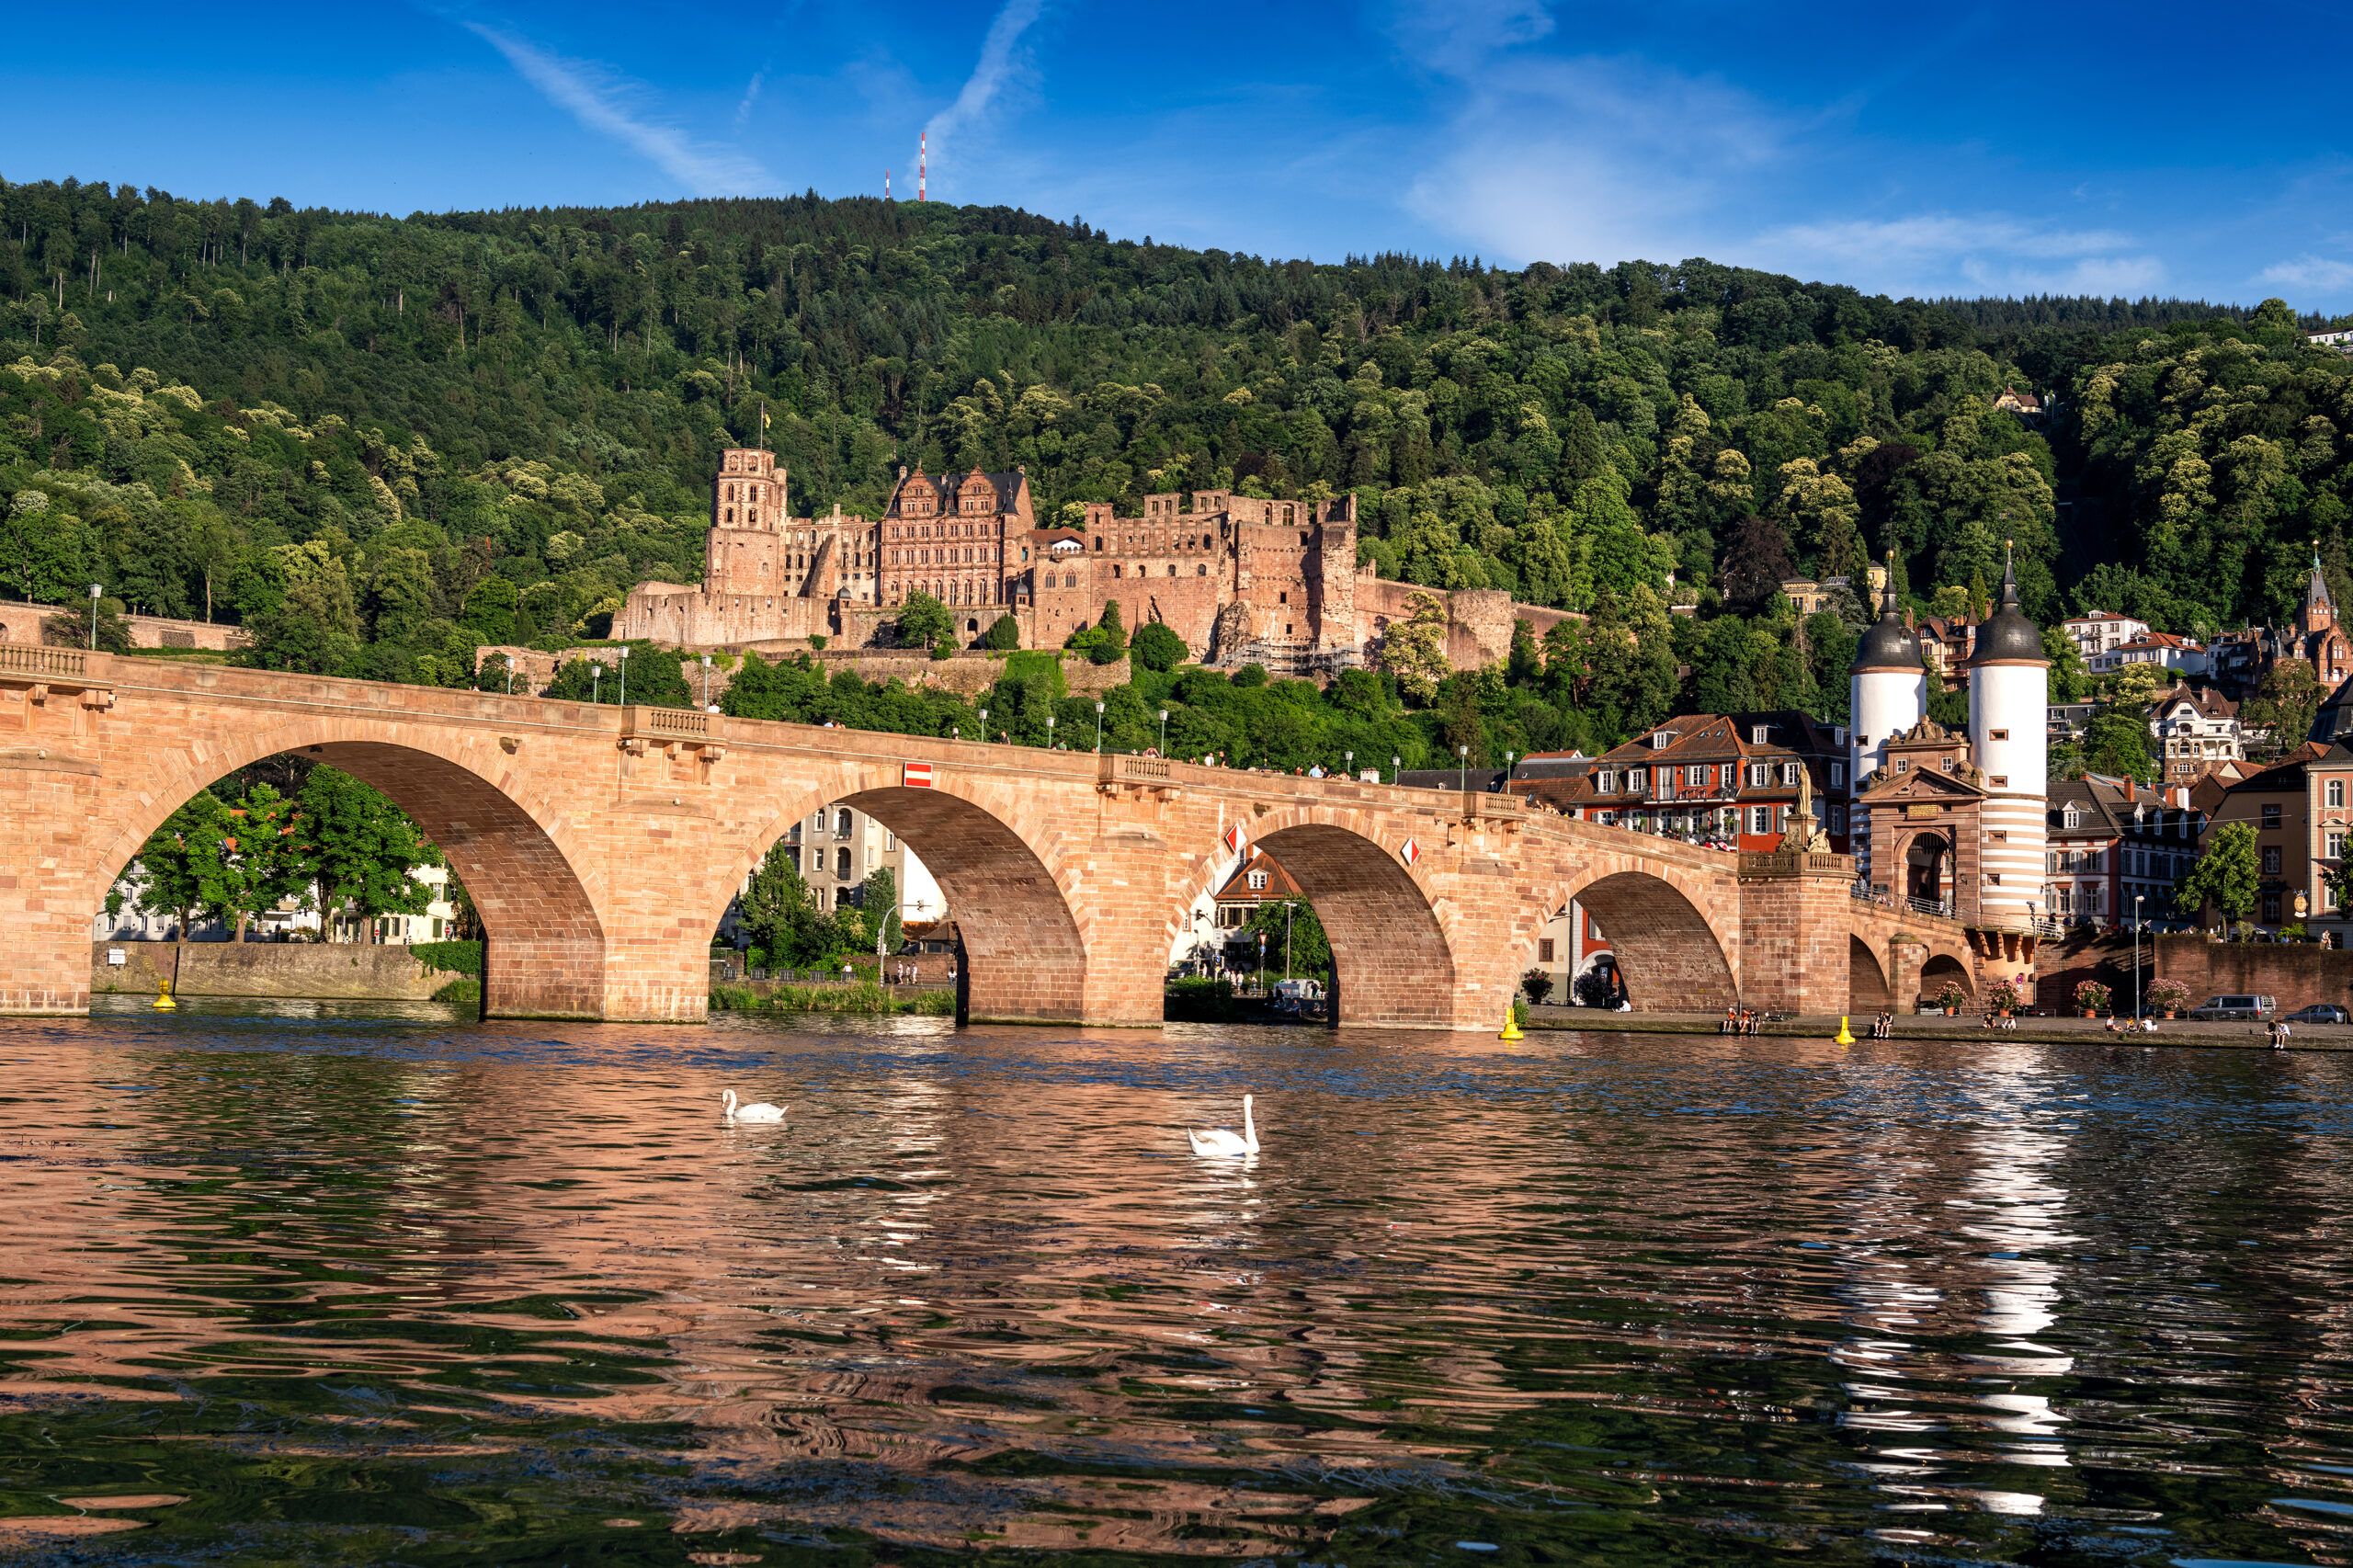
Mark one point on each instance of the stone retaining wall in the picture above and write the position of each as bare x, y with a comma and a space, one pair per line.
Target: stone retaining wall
2293, 973
337, 971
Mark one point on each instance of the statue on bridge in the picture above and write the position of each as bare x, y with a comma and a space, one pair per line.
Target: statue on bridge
1803, 835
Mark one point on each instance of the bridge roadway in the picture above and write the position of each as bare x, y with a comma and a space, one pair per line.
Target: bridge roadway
603, 844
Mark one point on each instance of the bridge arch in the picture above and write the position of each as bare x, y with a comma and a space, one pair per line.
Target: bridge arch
1000, 864
1870, 991
544, 952
1660, 920
1393, 952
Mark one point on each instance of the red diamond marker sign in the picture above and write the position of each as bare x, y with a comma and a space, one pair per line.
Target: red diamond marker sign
1410, 853
1234, 839
916, 774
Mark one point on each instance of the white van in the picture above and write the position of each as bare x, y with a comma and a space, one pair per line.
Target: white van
2235, 1006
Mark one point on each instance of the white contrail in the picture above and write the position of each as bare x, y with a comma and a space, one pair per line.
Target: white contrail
751, 96
595, 97
989, 74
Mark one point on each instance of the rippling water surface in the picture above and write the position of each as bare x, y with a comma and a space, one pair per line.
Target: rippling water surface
341, 1289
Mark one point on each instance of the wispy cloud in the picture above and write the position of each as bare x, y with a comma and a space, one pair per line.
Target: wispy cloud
1591, 160
608, 105
1453, 36
2319, 274
751, 96
991, 74
1929, 253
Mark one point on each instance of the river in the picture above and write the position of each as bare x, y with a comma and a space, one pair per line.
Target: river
342, 1288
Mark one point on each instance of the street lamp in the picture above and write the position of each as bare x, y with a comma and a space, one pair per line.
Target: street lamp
706, 682
984, 723
1262, 963
1289, 908
94, 617
1050, 732
624, 674
596, 680
1463, 768
1507, 760
2137, 899
1396, 770
1351, 768
510, 675
1099, 726
1163, 731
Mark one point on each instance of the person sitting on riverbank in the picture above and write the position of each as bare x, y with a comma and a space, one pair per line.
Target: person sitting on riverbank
1730, 1023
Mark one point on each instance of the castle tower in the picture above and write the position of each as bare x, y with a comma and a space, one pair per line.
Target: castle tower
1888, 694
2009, 699
748, 506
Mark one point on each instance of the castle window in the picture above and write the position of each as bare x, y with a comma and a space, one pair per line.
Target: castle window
1172, 569
1283, 597
2000, 782
1201, 571
1997, 734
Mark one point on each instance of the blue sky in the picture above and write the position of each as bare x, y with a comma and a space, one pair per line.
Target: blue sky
2106, 148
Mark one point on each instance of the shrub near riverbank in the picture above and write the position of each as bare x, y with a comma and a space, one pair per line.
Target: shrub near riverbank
863, 997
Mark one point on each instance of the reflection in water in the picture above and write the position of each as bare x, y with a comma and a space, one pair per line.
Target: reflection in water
364, 1289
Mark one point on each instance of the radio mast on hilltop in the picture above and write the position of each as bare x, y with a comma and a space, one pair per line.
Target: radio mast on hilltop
886, 185
923, 167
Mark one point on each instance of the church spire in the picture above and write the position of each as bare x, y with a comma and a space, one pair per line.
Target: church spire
2318, 610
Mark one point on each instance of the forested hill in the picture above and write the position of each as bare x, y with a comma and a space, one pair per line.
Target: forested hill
445, 427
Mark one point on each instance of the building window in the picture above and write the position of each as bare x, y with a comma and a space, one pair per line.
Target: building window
1837, 775
2271, 860
2270, 817
1837, 819
1997, 734
2336, 792
1999, 781
1902, 765
1638, 779
841, 863
1258, 881
1788, 773
1696, 775
2271, 907
1761, 819
1544, 949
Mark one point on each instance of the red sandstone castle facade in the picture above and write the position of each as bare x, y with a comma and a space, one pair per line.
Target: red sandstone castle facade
1240, 578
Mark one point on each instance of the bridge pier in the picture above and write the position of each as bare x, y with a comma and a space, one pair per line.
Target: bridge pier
1794, 940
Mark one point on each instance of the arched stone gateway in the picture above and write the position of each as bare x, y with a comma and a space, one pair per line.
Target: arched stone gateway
1391, 958
1942, 970
1025, 953
1670, 958
545, 948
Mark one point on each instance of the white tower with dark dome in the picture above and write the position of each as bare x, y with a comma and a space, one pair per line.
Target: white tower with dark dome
1888, 694
2009, 699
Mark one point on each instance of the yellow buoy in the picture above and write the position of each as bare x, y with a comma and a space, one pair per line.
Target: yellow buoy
1511, 1026
1846, 1035
163, 997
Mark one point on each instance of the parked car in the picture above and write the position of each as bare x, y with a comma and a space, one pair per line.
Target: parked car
2235, 1006
2321, 1013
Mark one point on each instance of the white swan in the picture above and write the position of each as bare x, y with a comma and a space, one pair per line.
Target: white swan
1220, 1143
758, 1111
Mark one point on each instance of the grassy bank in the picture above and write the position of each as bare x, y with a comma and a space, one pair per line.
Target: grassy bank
862, 998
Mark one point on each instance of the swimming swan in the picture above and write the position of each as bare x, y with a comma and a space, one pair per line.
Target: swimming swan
758, 1111
1220, 1143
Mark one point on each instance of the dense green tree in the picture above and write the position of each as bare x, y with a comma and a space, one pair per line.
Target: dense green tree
358, 848
2115, 743
1157, 647
924, 622
2226, 876
1004, 634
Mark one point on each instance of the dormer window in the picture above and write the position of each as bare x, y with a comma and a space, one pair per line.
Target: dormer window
1756, 734
2070, 819
1660, 738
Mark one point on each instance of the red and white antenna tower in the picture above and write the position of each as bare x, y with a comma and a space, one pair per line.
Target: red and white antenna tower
923, 167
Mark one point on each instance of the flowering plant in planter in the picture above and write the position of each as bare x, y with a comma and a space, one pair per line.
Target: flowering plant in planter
2003, 998
2093, 998
1952, 998
2168, 997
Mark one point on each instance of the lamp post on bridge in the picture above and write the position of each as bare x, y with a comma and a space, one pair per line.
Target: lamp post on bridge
1463, 768
1050, 732
510, 675
1163, 731
1099, 726
624, 674
984, 724
2137, 899
1396, 769
595, 680
706, 683
94, 617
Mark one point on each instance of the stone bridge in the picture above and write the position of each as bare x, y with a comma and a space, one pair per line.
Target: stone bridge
603, 844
